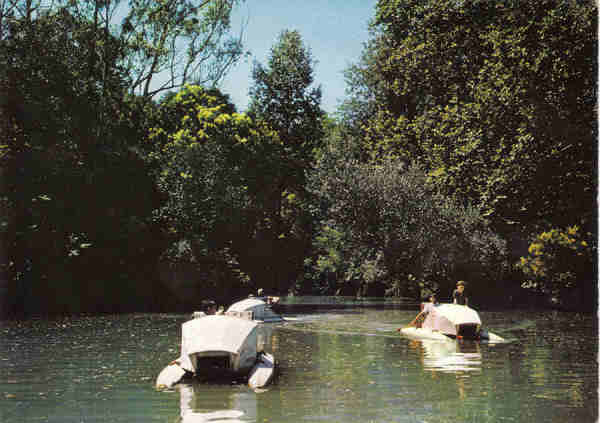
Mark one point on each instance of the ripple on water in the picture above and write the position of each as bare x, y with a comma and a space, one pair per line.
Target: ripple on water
350, 367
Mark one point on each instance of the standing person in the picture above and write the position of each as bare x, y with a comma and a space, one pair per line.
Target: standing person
458, 295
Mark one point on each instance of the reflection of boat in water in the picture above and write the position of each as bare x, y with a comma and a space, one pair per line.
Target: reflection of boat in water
221, 407
443, 321
451, 356
220, 346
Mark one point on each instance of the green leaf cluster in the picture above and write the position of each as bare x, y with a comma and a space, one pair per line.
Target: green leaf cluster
558, 261
494, 99
215, 167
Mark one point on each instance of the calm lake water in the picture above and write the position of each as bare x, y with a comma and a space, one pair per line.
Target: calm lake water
337, 365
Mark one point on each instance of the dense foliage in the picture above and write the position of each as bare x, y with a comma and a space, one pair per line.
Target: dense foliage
76, 200
383, 231
495, 100
283, 96
466, 150
215, 167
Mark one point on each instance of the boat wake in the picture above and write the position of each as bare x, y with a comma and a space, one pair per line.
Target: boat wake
388, 332
524, 326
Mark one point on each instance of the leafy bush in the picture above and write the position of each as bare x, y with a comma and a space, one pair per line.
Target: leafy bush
217, 169
559, 261
382, 224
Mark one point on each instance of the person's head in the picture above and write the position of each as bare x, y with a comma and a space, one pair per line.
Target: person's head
210, 307
260, 292
432, 298
460, 285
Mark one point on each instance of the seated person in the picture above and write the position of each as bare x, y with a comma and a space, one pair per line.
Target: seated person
427, 308
432, 303
210, 307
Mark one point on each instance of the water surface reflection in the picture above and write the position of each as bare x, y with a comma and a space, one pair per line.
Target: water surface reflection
216, 404
450, 356
349, 366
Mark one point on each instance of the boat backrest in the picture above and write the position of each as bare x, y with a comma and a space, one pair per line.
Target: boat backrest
437, 322
216, 333
255, 306
445, 318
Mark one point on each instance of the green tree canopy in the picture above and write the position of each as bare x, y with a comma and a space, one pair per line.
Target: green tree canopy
177, 42
77, 199
495, 99
282, 97
214, 165
164, 44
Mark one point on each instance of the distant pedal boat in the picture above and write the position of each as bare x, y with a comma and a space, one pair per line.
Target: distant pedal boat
448, 321
259, 309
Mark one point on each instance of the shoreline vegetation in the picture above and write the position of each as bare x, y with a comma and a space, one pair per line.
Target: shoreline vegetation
340, 305
466, 149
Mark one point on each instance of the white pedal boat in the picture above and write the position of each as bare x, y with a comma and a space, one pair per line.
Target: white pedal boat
220, 346
256, 309
448, 321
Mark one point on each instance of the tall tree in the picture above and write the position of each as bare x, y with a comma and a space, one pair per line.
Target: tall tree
283, 96
171, 43
165, 43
